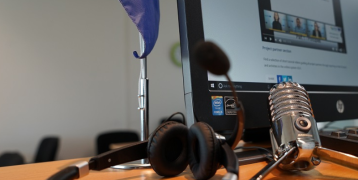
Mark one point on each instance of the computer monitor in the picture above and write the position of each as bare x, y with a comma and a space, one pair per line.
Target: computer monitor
312, 42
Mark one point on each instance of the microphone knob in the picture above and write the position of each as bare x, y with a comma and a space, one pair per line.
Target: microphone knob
303, 124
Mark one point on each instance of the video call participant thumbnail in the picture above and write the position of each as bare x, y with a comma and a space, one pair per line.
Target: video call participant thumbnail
299, 28
297, 25
275, 21
316, 29
316, 32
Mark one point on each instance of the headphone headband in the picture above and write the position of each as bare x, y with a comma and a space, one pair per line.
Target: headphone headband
132, 152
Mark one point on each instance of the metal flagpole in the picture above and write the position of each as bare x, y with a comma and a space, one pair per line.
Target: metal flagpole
143, 96
143, 108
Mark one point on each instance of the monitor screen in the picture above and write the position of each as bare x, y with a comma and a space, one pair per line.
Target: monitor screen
312, 42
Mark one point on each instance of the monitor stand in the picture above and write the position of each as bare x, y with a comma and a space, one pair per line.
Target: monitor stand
259, 137
252, 156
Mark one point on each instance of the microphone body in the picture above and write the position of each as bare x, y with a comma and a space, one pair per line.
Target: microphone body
294, 135
293, 126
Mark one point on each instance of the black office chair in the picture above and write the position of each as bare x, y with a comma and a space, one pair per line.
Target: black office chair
104, 140
47, 149
11, 159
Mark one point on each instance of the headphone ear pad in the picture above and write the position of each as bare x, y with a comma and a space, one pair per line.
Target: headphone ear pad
168, 149
203, 152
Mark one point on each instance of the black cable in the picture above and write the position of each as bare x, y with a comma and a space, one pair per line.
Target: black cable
169, 119
171, 116
196, 118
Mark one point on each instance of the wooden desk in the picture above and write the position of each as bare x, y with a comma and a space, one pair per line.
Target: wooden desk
40, 171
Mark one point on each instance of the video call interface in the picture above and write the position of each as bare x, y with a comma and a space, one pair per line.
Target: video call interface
285, 28
312, 42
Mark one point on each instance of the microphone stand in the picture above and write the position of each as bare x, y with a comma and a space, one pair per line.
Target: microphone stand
143, 100
270, 166
320, 153
337, 157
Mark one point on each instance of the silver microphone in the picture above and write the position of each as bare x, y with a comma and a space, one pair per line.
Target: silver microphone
294, 135
293, 126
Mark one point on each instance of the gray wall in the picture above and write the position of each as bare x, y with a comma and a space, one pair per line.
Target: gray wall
67, 69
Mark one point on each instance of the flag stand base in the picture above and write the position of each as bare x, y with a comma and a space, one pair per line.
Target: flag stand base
131, 166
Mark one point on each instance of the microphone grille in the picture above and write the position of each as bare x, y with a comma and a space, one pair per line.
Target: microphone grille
289, 97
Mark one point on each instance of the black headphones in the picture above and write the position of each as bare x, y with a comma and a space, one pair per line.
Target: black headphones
173, 146
170, 148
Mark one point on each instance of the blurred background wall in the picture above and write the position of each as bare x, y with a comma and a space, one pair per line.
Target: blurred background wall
67, 69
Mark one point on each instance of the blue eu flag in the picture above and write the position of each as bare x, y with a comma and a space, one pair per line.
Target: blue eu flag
145, 15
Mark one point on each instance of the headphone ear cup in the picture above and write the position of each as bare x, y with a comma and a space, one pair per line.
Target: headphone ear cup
168, 149
203, 151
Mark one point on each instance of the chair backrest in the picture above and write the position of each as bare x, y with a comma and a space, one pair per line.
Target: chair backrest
47, 149
104, 140
11, 159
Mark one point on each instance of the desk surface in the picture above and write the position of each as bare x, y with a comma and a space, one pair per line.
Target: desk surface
325, 170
